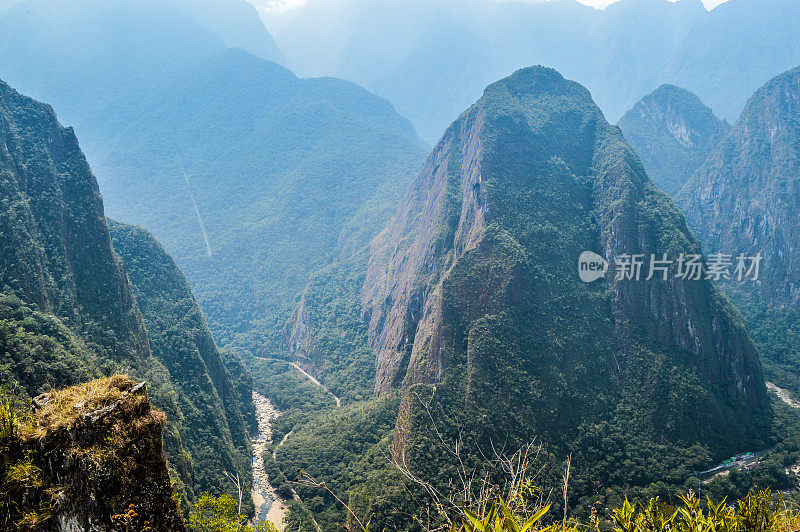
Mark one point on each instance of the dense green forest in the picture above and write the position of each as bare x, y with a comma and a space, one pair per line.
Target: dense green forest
209, 420
287, 175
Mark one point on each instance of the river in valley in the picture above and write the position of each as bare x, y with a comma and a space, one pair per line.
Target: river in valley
269, 507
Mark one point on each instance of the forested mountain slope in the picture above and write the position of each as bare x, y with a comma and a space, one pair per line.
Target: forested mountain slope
746, 197
673, 133
251, 178
745, 200
215, 430
256, 179
68, 312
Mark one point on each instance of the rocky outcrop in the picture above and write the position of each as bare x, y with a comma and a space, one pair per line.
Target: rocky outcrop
96, 452
474, 284
745, 199
673, 132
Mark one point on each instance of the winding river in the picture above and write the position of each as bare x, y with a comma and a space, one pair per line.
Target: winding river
269, 507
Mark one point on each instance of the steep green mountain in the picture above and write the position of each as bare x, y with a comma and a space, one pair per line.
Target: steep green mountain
256, 179
673, 133
480, 291
745, 199
210, 406
56, 252
472, 306
68, 313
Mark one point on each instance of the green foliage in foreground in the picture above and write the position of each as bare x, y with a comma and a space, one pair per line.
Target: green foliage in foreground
339, 448
221, 514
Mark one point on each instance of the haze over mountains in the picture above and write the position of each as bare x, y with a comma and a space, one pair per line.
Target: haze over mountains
431, 59
390, 303
229, 159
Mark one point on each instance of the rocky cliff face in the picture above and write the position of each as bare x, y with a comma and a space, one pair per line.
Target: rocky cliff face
441, 216
746, 197
55, 250
93, 461
474, 285
673, 132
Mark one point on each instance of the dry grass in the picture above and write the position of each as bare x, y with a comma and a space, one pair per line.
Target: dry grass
69, 409
787, 520
66, 408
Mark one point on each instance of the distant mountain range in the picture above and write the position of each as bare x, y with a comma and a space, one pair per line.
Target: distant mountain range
746, 197
431, 59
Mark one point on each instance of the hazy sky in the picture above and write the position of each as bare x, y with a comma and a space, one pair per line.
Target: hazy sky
281, 5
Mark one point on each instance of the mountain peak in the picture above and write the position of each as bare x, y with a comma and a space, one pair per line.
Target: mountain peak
476, 276
673, 132
746, 197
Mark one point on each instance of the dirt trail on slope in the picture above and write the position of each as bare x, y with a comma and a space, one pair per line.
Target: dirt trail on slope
307, 375
317, 383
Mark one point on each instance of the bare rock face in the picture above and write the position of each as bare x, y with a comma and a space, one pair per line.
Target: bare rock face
441, 216
474, 285
98, 451
746, 197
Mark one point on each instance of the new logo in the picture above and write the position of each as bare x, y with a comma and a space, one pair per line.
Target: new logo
591, 267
